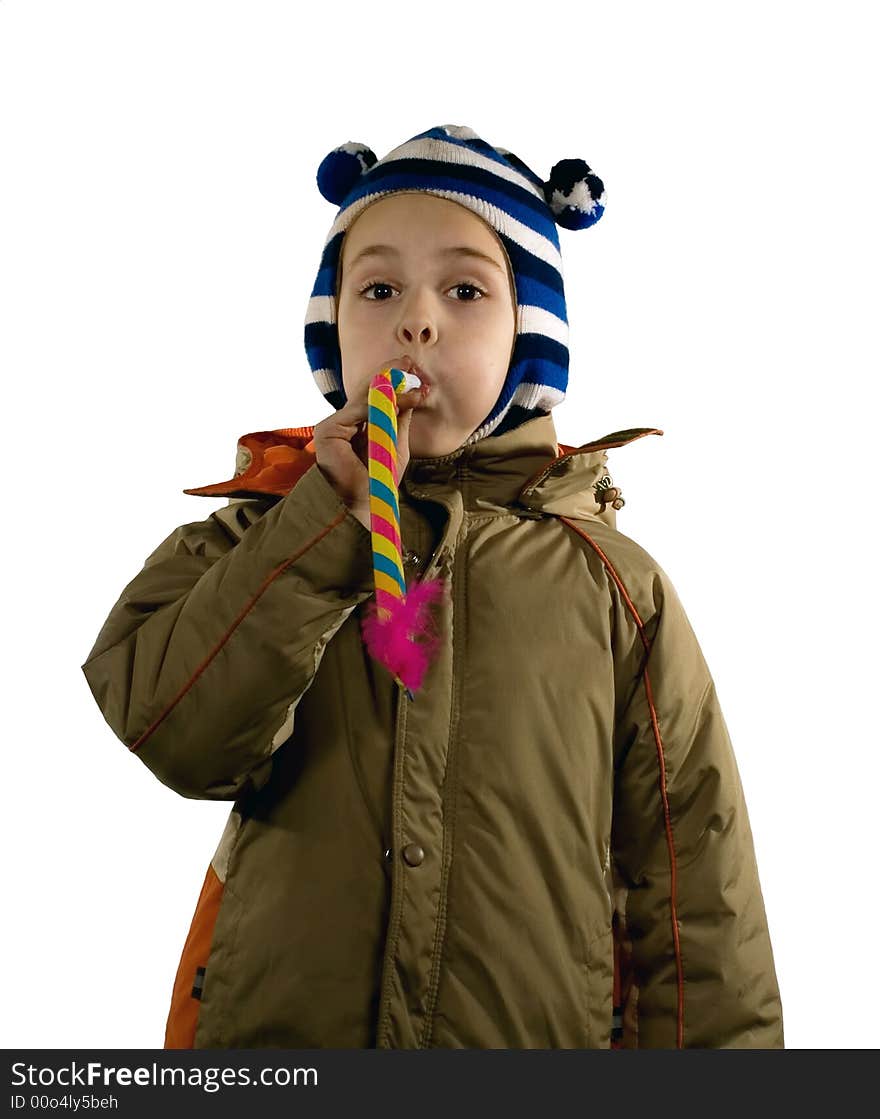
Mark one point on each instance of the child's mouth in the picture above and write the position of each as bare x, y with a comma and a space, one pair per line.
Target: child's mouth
417, 382
417, 371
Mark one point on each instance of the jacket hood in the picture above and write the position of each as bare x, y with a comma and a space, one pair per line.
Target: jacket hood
525, 466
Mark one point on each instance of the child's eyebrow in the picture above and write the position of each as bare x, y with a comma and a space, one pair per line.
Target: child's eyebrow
457, 250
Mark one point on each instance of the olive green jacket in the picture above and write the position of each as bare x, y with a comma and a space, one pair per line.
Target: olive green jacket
547, 848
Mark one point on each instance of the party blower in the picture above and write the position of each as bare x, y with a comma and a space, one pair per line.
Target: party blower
397, 627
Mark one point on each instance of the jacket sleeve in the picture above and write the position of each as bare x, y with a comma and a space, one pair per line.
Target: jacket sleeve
200, 664
699, 945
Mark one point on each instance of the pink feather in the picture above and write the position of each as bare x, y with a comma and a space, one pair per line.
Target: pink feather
406, 641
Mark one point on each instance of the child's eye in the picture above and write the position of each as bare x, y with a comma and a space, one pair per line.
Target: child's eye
473, 287
374, 284
456, 287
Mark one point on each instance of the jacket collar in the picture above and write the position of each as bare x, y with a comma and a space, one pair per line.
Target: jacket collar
525, 467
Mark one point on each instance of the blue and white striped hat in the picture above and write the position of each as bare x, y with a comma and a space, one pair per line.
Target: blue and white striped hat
451, 161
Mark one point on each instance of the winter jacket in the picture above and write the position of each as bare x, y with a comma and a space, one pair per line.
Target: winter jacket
548, 847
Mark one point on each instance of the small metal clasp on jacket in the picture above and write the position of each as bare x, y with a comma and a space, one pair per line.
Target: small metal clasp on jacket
607, 493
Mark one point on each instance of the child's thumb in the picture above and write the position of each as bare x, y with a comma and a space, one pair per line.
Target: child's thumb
404, 419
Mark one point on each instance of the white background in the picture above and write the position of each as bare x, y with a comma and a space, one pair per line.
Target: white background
160, 232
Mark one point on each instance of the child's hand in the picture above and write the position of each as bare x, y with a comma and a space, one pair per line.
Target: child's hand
341, 442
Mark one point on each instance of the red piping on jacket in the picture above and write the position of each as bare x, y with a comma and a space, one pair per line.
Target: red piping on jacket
662, 764
241, 616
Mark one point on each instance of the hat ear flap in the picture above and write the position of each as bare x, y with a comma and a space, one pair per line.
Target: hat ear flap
575, 194
342, 168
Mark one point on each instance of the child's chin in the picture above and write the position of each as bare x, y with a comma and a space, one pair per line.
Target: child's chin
433, 447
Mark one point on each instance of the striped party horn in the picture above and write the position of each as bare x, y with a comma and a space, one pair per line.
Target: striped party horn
397, 627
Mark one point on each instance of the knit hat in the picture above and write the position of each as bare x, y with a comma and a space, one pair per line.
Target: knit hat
452, 161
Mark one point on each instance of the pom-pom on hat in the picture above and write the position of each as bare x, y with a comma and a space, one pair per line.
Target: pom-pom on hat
452, 161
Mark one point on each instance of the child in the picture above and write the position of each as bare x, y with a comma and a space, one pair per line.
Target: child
547, 846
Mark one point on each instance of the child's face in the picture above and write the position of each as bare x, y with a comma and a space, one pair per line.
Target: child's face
454, 314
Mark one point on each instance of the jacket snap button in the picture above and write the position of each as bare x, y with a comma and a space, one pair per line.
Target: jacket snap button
387, 852
413, 854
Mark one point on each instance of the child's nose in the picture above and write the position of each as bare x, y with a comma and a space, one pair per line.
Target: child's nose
425, 334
